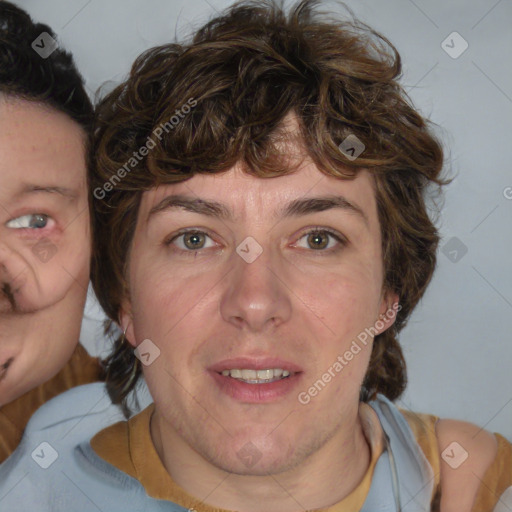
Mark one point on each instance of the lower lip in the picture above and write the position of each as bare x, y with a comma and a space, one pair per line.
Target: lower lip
256, 393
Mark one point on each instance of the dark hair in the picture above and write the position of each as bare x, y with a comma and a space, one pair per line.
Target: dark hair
25, 74
246, 70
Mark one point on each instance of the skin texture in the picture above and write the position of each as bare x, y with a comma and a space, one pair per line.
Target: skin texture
44, 261
295, 302
460, 484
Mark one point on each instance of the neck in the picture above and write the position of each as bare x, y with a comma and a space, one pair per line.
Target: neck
320, 481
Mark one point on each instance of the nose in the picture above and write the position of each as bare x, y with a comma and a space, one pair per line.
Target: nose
11, 269
4, 257
256, 297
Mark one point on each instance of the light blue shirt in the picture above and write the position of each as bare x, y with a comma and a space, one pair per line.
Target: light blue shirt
55, 469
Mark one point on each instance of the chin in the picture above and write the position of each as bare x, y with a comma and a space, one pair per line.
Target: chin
10, 393
251, 462
256, 456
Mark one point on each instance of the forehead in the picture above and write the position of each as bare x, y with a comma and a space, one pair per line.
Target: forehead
247, 196
39, 146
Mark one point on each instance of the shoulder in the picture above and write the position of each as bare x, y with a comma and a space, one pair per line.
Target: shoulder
466, 453
58, 426
76, 403
472, 467
39, 471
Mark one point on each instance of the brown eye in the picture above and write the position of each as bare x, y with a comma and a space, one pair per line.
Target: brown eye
187, 241
323, 240
194, 240
318, 239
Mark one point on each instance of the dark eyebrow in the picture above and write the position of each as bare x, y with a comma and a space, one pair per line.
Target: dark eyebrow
308, 205
209, 208
295, 208
33, 189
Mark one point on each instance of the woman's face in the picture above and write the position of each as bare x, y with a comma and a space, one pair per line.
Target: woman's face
244, 293
44, 242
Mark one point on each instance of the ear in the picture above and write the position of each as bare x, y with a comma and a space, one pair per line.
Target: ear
389, 308
126, 323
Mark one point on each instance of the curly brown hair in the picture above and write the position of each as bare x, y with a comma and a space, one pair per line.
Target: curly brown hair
246, 70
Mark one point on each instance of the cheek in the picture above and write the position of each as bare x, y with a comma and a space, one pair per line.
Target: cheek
165, 303
74, 248
346, 300
62, 266
347, 310
167, 311
40, 275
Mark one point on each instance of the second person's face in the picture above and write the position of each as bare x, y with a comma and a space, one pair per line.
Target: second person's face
44, 242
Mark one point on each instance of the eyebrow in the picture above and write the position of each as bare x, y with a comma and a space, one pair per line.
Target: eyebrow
62, 191
295, 208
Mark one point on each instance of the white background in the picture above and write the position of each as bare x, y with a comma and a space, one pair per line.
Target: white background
458, 343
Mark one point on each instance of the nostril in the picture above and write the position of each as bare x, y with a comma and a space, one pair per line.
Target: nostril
4, 273
4, 367
6, 291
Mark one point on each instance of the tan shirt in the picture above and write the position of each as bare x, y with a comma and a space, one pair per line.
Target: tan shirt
128, 446
80, 369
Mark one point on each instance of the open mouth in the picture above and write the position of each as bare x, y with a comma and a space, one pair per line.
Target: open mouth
257, 376
256, 379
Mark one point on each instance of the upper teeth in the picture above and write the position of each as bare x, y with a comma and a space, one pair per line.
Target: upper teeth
256, 374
